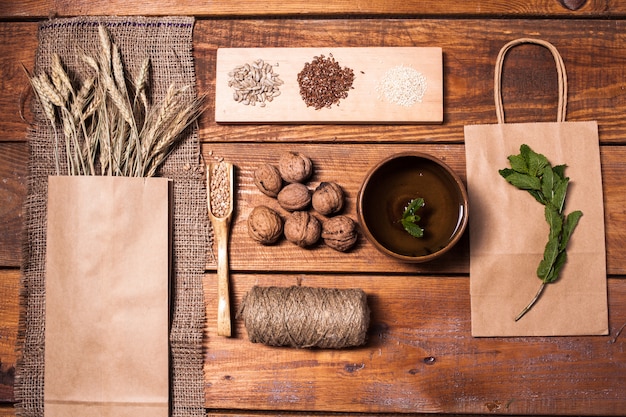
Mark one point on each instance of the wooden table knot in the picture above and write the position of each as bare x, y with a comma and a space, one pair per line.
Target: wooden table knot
573, 4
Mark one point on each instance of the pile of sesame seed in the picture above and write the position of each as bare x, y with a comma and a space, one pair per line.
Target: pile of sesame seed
402, 85
323, 82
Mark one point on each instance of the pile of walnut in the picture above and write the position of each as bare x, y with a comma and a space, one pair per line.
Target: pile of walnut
265, 225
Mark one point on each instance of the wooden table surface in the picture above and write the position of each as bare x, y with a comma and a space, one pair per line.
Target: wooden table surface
420, 357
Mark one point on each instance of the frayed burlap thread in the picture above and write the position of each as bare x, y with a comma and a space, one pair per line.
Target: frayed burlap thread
167, 41
305, 317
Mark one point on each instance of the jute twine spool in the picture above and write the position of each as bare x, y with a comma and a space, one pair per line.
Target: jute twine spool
305, 317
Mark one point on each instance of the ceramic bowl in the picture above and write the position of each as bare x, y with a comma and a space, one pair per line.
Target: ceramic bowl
391, 185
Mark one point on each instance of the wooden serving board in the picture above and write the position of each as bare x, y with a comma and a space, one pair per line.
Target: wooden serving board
365, 103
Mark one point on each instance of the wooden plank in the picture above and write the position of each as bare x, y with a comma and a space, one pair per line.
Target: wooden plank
347, 164
332, 160
486, 8
13, 176
9, 318
7, 410
261, 413
19, 42
613, 174
418, 97
470, 48
593, 57
420, 357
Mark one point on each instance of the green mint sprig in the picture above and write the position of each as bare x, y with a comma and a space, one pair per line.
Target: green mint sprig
410, 218
532, 172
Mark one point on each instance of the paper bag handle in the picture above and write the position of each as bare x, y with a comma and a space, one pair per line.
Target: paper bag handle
561, 74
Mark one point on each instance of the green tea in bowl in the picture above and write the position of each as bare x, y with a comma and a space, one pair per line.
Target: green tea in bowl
412, 207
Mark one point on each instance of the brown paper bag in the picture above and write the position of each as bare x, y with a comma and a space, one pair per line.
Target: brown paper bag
508, 230
107, 294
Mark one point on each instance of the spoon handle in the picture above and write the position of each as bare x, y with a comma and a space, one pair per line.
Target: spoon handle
223, 306
220, 219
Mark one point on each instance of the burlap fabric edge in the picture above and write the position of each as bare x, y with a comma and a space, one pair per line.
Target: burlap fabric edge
167, 41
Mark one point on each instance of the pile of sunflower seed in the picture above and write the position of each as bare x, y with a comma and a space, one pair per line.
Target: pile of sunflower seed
254, 83
219, 189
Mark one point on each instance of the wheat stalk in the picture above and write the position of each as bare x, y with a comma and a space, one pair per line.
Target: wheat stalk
157, 119
105, 42
101, 120
141, 84
185, 115
49, 113
84, 95
92, 63
49, 91
46, 104
60, 79
104, 136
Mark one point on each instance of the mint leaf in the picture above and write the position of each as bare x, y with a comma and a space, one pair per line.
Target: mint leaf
538, 196
570, 224
559, 170
410, 218
412, 207
536, 162
560, 190
525, 151
505, 172
547, 182
560, 261
550, 253
412, 228
523, 181
518, 163
554, 220
532, 172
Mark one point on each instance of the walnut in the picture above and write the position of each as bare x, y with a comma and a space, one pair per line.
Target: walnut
327, 198
295, 167
265, 225
339, 233
267, 178
302, 228
294, 197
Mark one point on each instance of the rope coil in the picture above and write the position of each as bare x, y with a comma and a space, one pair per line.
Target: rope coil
305, 317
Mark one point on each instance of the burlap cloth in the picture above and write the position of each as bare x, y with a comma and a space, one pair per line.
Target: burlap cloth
168, 43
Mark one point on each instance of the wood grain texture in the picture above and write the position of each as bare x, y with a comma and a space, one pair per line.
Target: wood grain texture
595, 61
486, 8
331, 160
19, 42
7, 410
13, 173
9, 317
420, 357
347, 164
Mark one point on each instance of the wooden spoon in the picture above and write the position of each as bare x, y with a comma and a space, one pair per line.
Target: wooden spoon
220, 214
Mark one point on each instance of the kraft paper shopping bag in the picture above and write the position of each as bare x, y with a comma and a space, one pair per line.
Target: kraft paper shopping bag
107, 292
508, 230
